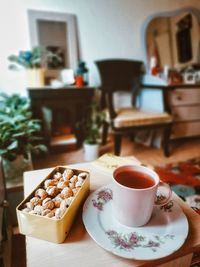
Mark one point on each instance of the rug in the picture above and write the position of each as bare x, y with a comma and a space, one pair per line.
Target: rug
184, 179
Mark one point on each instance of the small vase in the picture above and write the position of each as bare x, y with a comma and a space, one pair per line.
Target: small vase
91, 152
35, 77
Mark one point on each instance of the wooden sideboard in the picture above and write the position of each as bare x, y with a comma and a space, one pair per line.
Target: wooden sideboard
66, 105
183, 102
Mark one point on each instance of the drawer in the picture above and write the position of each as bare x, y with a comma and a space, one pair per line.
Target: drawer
186, 113
185, 129
180, 97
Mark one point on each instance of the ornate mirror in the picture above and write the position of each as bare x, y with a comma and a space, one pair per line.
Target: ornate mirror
173, 38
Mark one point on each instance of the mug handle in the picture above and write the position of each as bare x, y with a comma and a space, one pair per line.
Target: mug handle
163, 194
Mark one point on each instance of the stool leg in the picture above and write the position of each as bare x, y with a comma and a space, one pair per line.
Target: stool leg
166, 140
117, 144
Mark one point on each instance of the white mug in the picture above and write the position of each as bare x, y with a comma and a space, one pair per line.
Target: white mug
135, 190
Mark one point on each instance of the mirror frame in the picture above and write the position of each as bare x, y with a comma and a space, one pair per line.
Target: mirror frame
170, 13
71, 35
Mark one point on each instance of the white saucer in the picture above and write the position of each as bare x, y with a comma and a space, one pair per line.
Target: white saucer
164, 234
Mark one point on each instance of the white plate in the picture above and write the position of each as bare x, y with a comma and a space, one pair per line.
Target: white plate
164, 234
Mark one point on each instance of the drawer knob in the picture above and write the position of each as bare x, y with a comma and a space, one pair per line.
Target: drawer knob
4, 203
178, 97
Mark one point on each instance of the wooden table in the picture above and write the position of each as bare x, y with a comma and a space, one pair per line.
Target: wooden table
80, 250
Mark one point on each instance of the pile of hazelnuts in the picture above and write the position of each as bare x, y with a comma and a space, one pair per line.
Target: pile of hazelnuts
56, 194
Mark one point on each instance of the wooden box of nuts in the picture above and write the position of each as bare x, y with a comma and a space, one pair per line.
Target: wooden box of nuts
48, 212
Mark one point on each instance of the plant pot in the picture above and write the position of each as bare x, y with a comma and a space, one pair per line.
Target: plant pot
35, 77
91, 152
13, 170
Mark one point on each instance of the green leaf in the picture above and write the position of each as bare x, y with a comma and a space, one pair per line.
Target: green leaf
19, 133
13, 145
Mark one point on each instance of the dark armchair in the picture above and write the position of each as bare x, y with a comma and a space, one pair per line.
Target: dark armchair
122, 75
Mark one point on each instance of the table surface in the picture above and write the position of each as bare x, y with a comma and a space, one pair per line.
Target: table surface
79, 249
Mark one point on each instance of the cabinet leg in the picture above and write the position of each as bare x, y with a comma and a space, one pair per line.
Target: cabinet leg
117, 144
105, 133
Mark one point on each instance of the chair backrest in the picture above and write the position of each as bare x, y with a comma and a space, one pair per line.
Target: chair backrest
119, 75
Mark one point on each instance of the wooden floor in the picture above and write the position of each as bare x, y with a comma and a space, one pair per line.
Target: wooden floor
180, 151
151, 156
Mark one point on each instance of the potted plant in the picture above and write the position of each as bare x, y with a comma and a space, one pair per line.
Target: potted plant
18, 136
34, 61
91, 128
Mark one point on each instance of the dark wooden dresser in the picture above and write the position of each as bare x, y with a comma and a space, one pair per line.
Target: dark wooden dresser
183, 102
60, 108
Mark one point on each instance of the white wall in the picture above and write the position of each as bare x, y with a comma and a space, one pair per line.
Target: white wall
107, 28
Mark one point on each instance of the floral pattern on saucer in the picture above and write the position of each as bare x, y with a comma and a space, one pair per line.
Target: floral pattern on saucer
103, 197
134, 240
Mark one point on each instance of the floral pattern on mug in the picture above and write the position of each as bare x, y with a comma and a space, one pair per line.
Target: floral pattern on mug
134, 240
167, 207
103, 197
159, 199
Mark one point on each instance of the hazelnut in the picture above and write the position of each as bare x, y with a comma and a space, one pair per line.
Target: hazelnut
79, 183
74, 179
59, 212
51, 213
48, 182
66, 202
57, 200
38, 209
68, 173
41, 193
66, 192
29, 205
75, 190
57, 176
45, 212
48, 203
83, 175
62, 184
71, 185
36, 201
52, 191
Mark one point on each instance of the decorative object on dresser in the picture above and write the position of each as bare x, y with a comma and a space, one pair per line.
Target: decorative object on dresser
35, 62
81, 74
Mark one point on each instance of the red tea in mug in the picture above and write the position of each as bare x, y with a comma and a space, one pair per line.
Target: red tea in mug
134, 179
